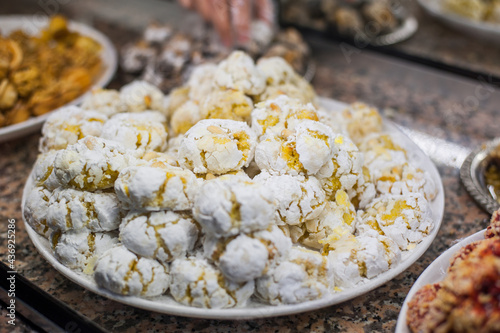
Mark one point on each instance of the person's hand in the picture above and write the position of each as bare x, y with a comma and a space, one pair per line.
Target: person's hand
232, 18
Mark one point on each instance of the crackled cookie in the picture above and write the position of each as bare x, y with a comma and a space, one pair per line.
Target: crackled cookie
297, 198
176, 98
35, 210
158, 160
357, 258
164, 235
238, 71
197, 283
217, 146
305, 276
173, 146
280, 113
391, 170
68, 125
140, 96
361, 120
281, 79
406, 219
333, 119
70, 209
287, 89
185, 116
247, 256
138, 132
153, 188
226, 104
230, 204
90, 164
80, 250
275, 70
345, 171
340, 213
201, 81
43, 167
122, 272
105, 101
306, 150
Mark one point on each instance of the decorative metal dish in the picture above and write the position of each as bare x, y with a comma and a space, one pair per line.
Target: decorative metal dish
472, 174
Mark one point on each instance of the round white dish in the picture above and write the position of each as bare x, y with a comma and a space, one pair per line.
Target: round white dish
432, 274
165, 304
32, 24
473, 28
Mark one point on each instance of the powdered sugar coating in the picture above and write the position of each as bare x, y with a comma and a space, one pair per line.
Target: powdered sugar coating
43, 167
201, 81
346, 172
247, 256
140, 96
305, 275
105, 101
361, 120
156, 188
304, 151
185, 116
297, 198
276, 70
229, 205
80, 250
357, 258
122, 272
197, 283
35, 210
68, 125
336, 214
282, 112
391, 170
90, 164
138, 132
226, 104
217, 146
239, 72
70, 209
406, 219
163, 235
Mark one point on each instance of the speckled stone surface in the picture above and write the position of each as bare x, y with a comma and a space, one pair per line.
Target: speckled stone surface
435, 103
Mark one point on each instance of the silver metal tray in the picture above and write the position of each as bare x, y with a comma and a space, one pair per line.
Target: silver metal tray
472, 175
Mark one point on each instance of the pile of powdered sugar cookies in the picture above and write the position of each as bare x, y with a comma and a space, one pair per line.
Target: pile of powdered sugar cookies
238, 185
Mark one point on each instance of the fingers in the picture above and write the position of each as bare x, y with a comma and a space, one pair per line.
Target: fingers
241, 14
221, 20
204, 8
265, 11
186, 3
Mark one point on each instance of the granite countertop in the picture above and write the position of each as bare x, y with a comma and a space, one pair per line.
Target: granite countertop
429, 102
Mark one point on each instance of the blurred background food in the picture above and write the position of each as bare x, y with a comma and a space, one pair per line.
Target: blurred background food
467, 299
346, 17
40, 73
479, 10
165, 57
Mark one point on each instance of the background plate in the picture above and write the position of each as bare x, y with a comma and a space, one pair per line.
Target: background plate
432, 274
480, 29
32, 25
165, 304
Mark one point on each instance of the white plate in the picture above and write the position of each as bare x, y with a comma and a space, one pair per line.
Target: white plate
165, 304
32, 26
432, 274
485, 30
